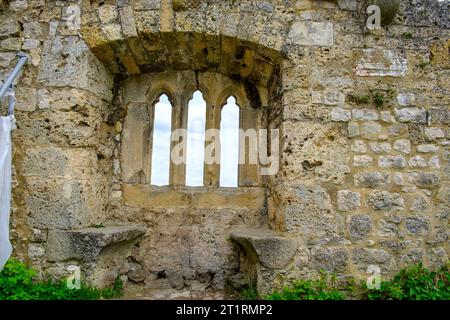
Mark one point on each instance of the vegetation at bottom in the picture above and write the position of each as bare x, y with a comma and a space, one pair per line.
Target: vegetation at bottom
19, 282
412, 283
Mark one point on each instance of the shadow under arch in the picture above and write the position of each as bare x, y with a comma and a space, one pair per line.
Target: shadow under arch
241, 60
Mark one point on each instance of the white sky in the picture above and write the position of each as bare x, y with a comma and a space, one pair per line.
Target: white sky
229, 137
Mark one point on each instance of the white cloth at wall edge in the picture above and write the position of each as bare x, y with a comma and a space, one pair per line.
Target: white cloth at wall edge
6, 125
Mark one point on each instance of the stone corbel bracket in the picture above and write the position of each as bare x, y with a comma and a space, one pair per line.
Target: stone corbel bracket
267, 253
273, 250
101, 252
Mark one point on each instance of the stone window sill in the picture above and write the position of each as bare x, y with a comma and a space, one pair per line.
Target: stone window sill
148, 196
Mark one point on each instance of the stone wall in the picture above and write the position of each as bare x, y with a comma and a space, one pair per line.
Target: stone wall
363, 118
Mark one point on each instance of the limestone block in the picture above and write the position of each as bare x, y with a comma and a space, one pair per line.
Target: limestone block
425, 180
274, 250
427, 148
392, 161
371, 179
348, 200
59, 203
60, 163
402, 145
406, 99
359, 226
417, 225
26, 99
8, 25
440, 54
67, 61
310, 214
329, 259
363, 257
381, 63
135, 152
362, 161
384, 200
312, 33
7, 59
364, 114
413, 115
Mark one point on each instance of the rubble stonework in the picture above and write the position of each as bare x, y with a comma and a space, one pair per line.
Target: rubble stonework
363, 116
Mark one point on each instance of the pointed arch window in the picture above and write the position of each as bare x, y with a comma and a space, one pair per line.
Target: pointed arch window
195, 149
162, 129
229, 141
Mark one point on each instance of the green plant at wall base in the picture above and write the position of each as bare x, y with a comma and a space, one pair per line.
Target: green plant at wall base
249, 293
18, 282
415, 283
407, 35
321, 289
379, 99
359, 99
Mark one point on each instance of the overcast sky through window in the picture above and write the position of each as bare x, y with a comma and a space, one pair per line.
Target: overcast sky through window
229, 136
161, 142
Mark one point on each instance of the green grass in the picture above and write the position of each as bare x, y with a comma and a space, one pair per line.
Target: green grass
413, 283
18, 282
308, 290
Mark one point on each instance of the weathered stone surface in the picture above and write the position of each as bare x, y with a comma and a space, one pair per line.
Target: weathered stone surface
135, 152
417, 225
363, 257
341, 115
8, 25
87, 244
65, 204
81, 69
381, 63
329, 259
427, 148
312, 33
439, 115
387, 229
274, 250
402, 145
432, 134
311, 215
383, 200
417, 162
412, 115
359, 226
359, 146
371, 179
365, 114
380, 147
424, 179
392, 161
406, 99
362, 161
348, 200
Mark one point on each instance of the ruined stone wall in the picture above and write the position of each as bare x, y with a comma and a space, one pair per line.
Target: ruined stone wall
363, 116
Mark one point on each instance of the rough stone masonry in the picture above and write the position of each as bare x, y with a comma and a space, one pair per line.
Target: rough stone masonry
364, 139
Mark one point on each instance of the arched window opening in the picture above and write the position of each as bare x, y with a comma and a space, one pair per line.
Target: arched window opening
162, 129
229, 141
195, 149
